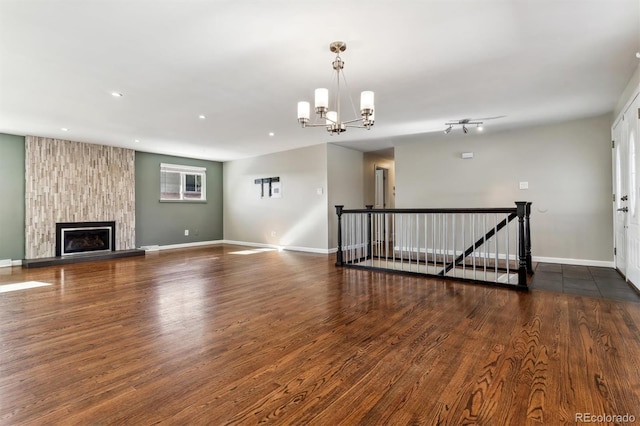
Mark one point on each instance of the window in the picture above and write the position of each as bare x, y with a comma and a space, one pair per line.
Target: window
182, 183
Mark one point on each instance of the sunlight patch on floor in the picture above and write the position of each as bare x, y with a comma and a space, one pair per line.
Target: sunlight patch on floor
5, 288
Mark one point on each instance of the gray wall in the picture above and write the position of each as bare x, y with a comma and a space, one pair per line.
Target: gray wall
12, 196
345, 183
567, 166
298, 219
164, 223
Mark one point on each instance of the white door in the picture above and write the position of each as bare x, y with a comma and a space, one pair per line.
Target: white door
620, 195
381, 188
631, 120
380, 202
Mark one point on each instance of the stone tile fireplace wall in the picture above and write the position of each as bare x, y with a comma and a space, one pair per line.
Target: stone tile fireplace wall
76, 182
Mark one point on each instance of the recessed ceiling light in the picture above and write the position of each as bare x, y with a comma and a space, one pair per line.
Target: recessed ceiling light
271, 134
137, 140
202, 117
116, 94
64, 129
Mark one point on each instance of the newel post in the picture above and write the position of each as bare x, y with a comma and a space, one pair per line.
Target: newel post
522, 261
527, 226
369, 228
339, 260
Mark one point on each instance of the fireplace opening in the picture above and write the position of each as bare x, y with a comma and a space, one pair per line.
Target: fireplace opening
84, 237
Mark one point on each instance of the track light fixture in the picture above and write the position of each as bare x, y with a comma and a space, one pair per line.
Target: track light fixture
463, 123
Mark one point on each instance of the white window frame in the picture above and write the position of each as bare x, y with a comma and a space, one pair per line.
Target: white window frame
184, 171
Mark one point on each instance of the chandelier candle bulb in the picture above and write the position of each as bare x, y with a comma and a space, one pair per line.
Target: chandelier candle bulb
366, 102
303, 111
322, 100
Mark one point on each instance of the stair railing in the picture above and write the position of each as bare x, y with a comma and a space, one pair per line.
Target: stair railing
482, 244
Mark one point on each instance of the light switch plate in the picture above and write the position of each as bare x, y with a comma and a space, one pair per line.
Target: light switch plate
524, 185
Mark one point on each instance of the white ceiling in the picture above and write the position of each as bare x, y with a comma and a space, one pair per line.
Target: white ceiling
245, 65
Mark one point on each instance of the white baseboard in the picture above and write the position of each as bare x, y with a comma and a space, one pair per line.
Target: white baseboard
7, 263
288, 248
311, 250
179, 246
422, 250
248, 244
578, 262
152, 248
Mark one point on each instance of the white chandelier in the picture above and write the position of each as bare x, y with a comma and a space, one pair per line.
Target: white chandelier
333, 118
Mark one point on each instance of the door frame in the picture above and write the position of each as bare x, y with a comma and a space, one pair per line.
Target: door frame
385, 186
625, 130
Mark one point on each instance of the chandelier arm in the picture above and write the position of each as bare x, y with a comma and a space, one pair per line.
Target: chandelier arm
355, 120
315, 125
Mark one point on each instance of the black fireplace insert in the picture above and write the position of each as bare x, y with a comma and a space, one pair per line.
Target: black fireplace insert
85, 237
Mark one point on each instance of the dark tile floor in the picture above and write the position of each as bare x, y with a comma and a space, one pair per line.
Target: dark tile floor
582, 280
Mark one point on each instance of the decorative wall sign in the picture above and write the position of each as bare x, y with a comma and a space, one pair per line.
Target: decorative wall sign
267, 186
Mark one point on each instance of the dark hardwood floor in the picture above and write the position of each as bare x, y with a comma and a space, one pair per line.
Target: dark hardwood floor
205, 336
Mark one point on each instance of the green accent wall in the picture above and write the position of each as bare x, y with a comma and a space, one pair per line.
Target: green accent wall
12, 195
164, 223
